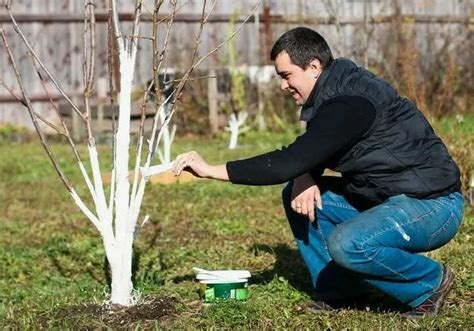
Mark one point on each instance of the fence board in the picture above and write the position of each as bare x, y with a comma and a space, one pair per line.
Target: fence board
340, 21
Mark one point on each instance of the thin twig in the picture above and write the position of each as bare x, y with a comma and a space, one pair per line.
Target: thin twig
40, 117
138, 159
158, 60
67, 134
115, 24
191, 78
111, 49
32, 51
110, 56
136, 23
185, 77
33, 116
89, 60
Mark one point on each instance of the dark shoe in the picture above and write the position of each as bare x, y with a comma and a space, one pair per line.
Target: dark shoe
433, 304
319, 307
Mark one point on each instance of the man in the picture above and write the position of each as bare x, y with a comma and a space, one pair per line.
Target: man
399, 193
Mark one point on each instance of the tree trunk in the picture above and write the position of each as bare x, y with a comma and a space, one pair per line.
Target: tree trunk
121, 269
234, 135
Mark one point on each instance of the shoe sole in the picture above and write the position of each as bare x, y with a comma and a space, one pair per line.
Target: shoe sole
450, 276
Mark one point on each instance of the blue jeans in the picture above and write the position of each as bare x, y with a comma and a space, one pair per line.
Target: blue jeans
347, 248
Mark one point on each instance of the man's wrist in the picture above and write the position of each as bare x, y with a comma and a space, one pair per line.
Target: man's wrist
217, 172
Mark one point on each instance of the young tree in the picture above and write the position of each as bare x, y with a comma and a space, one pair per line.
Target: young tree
237, 96
235, 127
115, 217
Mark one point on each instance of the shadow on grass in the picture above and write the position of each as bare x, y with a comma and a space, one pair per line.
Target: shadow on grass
290, 266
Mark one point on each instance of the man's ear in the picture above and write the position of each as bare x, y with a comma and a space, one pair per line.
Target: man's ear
315, 65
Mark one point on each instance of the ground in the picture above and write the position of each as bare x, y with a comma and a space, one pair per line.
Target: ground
53, 274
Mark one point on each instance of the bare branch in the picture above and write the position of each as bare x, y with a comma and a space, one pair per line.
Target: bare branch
12, 93
61, 119
35, 55
136, 22
111, 49
89, 60
89, 45
115, 24
33, 115
185, 77
157, 61
138, 158
24, 103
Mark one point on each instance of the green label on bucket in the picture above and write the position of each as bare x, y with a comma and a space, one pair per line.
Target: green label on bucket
212, 291
209, 294
241, 294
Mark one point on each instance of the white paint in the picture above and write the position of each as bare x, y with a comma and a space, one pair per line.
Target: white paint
88, 181
138, 228
100, 202
156, 169
402, 232
136, 198
85, 210
260, 75
121, 266
119, 245
234, 126
168, 137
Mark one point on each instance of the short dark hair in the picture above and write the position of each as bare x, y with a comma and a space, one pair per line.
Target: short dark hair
303, 45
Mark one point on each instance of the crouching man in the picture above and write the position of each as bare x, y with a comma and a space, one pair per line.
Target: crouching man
399, 194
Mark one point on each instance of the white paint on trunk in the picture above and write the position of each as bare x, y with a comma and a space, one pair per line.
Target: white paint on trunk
156, 169
100, 202
136, 200
168, 137
88, 181
111, 197
120, 258
85, 210
234, 126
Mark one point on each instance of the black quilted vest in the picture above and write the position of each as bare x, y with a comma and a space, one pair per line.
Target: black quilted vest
400, 153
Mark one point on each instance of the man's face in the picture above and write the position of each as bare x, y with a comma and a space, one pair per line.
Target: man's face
296, 81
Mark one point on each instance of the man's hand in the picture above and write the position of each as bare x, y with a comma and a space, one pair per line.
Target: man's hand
303, 195
195, 164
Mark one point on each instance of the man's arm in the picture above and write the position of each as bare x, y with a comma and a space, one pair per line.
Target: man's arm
337, 126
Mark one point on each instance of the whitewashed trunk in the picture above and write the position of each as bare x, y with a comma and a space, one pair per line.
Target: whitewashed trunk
235, 124
234, 136
121, 258
167, 136
166, 145
121, 270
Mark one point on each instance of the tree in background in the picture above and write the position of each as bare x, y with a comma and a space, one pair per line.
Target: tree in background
237, 96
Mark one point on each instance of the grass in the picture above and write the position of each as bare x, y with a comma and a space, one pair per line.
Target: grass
52, 259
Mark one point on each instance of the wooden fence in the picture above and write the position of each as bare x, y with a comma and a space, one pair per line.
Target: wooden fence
352, 27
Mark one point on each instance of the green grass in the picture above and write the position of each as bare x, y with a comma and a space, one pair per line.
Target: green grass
51, 258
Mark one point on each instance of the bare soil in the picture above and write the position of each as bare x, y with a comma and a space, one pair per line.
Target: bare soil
146, 314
